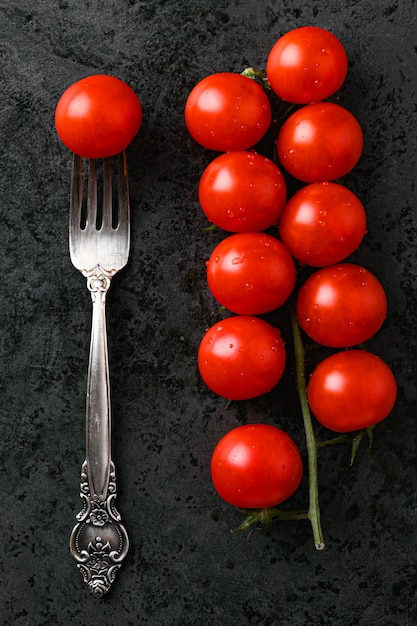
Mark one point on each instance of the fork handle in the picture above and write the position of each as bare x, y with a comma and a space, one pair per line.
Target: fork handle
98, 414
99, 541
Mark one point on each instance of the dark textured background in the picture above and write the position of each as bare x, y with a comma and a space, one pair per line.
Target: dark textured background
184, 568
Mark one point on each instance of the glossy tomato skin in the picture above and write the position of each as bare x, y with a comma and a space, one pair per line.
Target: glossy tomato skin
322, 224
320, 142
256, 466
98, 116
306, 65
241, 357
227, 111
351, 390
341, 305
251, 273
242, 191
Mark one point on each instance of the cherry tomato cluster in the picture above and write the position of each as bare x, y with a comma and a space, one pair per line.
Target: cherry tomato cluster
272, 239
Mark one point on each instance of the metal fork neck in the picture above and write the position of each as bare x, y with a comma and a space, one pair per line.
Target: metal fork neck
98, 281
98, 413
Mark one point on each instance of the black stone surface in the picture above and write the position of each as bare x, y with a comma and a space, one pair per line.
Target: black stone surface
184, 568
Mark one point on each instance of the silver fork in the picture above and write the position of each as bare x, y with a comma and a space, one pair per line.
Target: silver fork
99, 248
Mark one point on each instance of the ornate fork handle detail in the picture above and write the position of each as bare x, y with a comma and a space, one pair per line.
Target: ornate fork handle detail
99, 542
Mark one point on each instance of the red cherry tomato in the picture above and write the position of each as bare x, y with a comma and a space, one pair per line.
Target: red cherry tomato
242, 191
227, 111
256, 466
320, 142
307, 64
322, 224
241, 357
351, 390
251, 273
341, 305
98, 116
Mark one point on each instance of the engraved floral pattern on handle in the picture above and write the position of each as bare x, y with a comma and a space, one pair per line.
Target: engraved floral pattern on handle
99, 542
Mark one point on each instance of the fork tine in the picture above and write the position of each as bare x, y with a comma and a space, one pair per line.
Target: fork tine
107, 220
92, 195
76, 195
123, 195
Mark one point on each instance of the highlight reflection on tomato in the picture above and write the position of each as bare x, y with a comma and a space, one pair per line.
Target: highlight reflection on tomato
256, 466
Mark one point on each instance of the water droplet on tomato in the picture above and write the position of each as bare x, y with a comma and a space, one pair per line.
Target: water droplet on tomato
231, 345
238, 259
249, 286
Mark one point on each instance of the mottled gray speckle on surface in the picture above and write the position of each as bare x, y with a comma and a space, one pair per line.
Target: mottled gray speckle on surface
184, 568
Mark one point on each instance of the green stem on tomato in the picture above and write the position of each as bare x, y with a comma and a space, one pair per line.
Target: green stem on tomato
263, 517
311, 442
334, 441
